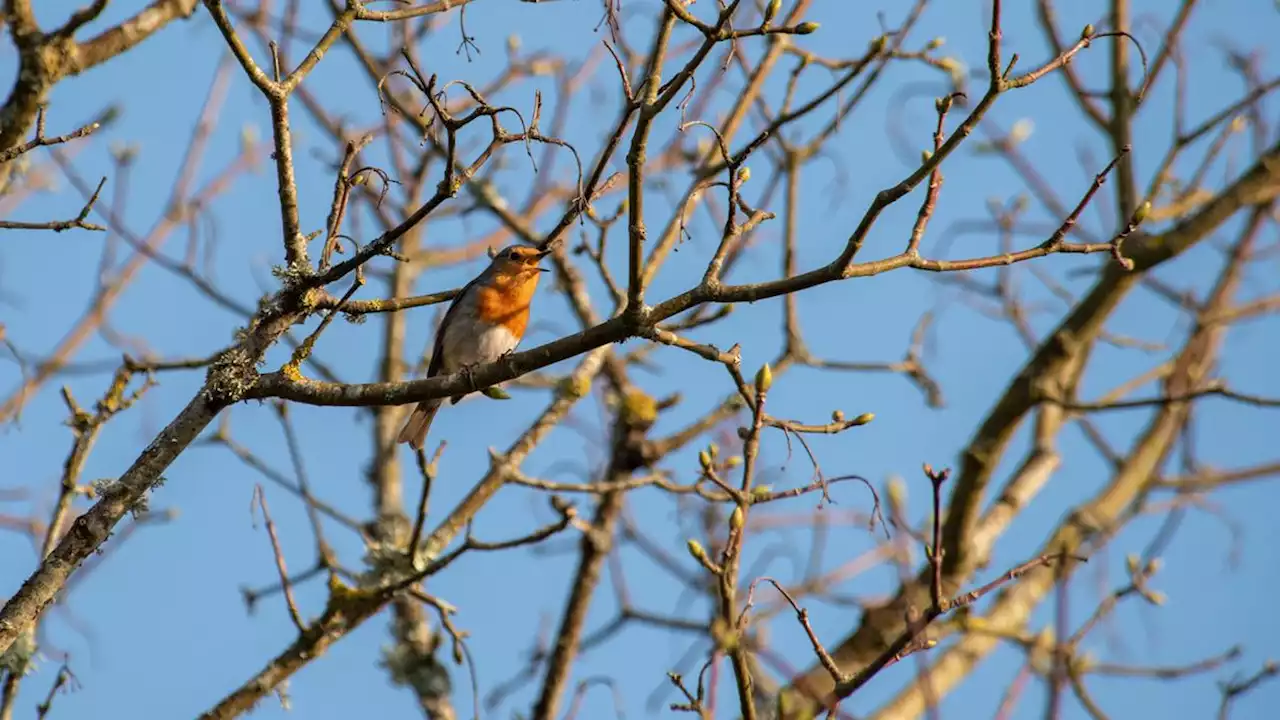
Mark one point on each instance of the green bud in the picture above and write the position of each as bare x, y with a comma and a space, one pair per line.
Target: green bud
1087, 32
704, 459
495, 393
736, 519
935, 43
864, 418
1141, 213
877, 46
837, 416
696, 550
771, 10
764, 378
806, 28
744, 174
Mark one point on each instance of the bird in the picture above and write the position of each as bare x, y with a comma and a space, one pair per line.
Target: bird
485, 322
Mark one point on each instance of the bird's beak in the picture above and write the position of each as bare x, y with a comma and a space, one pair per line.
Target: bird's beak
541, 254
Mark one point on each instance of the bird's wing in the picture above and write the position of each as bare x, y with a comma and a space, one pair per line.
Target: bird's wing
437, 347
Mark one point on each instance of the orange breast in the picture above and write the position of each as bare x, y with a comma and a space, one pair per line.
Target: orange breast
506, 301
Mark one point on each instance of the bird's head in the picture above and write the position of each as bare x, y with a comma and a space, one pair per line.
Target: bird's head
518, 261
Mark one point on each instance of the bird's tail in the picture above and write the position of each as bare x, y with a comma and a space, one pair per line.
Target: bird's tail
415, 428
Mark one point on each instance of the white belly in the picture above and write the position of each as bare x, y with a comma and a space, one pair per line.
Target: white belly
461, 347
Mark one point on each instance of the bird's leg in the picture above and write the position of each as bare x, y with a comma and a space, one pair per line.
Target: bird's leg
468, 371
495, 392
505, 359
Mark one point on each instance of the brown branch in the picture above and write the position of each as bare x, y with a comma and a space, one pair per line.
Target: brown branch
390, 305
277, 91
635, 416
1214, 389
112, 290
431, 8
906, 643
287, 586
45, 59
1235, 689
60, 225
125, 36
348, 608
40, 140
64, 679
221, 436
428, 470
961, 534
1097, 518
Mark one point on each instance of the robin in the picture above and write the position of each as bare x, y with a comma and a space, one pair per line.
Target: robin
484, 322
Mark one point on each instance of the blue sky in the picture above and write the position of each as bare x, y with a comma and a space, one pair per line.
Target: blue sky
160, 626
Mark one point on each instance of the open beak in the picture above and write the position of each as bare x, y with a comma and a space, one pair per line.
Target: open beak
542, 254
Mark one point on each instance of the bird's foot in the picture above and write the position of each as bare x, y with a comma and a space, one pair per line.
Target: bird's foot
505, 359
469, 372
